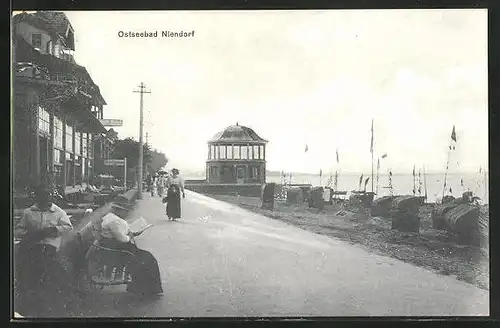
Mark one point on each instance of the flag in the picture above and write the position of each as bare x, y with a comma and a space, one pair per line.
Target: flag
384, 156
366, 181
453, 135
320, 172
371, 144
307, 148
378, 164
413, 170
360, 180
337, 155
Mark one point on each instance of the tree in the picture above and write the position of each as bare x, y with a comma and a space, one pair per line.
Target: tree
129, 148
158, 161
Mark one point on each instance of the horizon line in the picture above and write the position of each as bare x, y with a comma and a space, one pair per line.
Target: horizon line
200, 171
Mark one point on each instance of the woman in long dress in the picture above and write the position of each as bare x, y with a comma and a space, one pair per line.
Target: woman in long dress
161, 185
153, 186
174, 191
144, 268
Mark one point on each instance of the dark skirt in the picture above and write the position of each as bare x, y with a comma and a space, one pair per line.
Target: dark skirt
174, 205
144, 268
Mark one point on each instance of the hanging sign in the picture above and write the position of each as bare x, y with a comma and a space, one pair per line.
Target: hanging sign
111, 122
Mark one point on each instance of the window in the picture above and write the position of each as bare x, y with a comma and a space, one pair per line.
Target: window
222, 152
49, 47
58, 133
78, 143
213, 171
236, 153
244, 152
85, 145
36, 40
229, 151
69, 138
255, 173
43, 120
212, 152
57, 156
250, 152
261, 153
255, 152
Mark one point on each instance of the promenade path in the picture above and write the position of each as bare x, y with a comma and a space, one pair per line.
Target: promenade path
221, 260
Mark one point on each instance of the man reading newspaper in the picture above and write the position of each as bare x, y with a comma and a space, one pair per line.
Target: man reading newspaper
116, 233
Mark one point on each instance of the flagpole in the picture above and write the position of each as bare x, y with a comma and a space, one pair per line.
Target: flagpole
372, 155
414, 191
378, 170
425, 185
446, 170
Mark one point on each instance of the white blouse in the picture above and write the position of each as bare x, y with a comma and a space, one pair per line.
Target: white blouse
115, 227
177, 180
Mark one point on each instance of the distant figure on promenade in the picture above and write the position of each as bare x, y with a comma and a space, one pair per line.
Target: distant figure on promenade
161, 185
153, 186
174, 190
37, 258
148, 182
144, 269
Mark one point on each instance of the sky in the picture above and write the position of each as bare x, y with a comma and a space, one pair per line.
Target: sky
297, 78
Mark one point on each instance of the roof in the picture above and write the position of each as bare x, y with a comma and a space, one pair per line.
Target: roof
237, 133
56, 23
26, 53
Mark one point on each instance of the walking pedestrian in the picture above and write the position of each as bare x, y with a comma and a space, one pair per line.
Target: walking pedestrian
161, 185
153, 186
175, 188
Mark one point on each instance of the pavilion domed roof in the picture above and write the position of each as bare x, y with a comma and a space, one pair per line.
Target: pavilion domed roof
237, 133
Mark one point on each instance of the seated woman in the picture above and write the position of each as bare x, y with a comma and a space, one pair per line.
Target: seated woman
144, 268
37, 260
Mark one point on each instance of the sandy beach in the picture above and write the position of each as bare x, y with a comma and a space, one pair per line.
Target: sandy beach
432, 249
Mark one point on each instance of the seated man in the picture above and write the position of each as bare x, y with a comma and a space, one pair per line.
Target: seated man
115, 234
40, 229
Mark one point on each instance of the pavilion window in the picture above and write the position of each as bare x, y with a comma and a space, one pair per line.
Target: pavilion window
212, 152
214, 170
244, 152
261, 152
255, 152
229, 152
222, 152
237, 152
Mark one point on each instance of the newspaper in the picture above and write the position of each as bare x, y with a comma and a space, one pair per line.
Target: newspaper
139, 225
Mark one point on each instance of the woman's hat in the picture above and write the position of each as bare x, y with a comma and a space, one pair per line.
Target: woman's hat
175, 171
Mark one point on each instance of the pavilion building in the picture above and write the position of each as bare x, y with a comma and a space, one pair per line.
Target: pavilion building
236, 155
